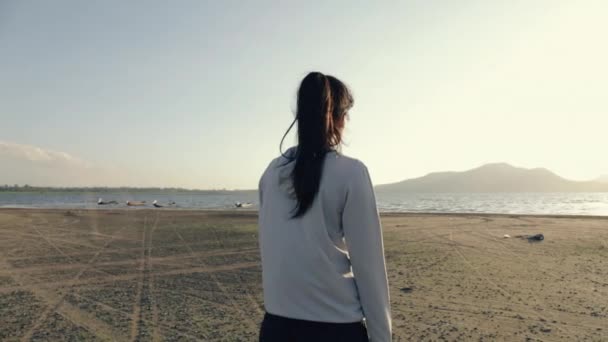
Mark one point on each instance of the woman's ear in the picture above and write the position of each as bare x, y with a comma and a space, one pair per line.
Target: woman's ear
341, 122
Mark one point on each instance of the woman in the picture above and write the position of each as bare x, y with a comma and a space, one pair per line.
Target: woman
323, 265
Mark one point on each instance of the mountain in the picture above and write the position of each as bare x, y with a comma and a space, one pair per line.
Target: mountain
498, 177
603, 179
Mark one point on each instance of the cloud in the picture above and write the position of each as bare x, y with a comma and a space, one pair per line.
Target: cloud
27, 164
39, 155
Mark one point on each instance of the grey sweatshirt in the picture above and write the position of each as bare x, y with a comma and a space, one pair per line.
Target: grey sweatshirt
327, 265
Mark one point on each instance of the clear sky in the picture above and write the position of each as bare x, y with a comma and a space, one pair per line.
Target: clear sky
197, 94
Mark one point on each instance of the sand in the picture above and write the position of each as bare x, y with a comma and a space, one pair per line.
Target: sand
154, 275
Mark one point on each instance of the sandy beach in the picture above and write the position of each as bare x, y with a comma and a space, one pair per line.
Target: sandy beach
162, 275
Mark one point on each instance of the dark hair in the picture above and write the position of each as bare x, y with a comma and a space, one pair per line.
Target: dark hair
323, 102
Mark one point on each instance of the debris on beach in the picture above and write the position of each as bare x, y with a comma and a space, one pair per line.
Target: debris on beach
537, 237
532, 238
506, 236
102, 202
407, 289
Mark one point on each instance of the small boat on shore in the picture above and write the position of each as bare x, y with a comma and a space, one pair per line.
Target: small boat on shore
243, 205
136, 203
158, 205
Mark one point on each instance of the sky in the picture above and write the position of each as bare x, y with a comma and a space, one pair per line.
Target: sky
198, 94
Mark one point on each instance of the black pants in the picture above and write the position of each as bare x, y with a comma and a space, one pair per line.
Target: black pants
281, 329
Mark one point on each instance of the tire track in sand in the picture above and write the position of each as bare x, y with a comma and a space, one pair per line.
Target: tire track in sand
248, 296
129, 314
237, 308
156, 333
56, 304
126, 277
136, 317
145, 302
457, 248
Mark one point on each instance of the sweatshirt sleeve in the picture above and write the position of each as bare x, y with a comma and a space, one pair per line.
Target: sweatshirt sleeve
260, 197
363, 235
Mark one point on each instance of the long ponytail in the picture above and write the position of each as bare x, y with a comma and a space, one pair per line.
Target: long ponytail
322, 104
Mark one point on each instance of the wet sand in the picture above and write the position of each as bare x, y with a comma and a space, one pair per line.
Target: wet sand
152, 275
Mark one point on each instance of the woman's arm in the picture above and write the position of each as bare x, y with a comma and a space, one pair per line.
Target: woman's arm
363, 235
260, 198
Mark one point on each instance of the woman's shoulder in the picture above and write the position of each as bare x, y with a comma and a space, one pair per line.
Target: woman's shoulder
345, 166
281, 164
335, 161
346, 162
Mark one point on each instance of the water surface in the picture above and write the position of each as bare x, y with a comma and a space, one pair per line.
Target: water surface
505, 203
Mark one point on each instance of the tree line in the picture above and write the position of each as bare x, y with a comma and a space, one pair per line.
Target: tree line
29, 188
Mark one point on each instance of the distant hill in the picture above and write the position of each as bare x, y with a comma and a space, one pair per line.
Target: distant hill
499, 177
603, 179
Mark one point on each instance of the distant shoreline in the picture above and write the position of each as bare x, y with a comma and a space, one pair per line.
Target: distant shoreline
253, 212
38, 190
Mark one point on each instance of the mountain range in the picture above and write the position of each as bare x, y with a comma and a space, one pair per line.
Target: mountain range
496, 177
603, 179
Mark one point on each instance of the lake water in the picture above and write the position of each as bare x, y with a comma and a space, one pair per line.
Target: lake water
503, 203
506, 203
